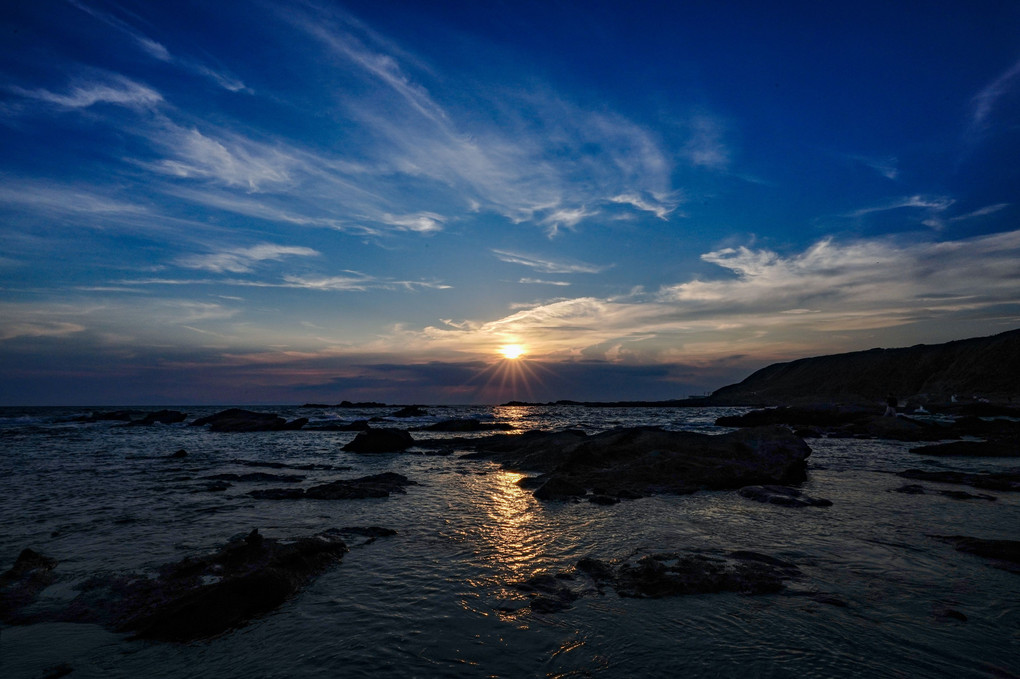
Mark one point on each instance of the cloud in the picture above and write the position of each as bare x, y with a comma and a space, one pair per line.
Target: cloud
984, 102
548, 265
242, 260
935, 204
112, 89
423, 222
158, 51
770, 304
705, 146
886, 166
539, 281
981, 212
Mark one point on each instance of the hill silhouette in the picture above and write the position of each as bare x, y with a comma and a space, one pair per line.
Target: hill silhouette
982, 367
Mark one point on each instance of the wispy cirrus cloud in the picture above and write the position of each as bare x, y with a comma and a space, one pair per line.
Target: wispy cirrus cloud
242, 260
106, 88
984, 102
158, 51
547, 265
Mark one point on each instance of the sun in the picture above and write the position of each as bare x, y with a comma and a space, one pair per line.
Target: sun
511, 351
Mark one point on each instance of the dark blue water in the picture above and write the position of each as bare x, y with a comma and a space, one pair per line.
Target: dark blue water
432, 600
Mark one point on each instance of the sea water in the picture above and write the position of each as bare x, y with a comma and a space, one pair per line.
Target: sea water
438, 598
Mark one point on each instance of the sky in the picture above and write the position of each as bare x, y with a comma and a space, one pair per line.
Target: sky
288, 202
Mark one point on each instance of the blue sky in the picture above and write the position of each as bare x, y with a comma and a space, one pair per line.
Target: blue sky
280, 202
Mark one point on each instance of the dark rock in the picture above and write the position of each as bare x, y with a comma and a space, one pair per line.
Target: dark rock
410, 411
598, 499
177, 454
369, 531
239, 420
910, 489
294, 424
1006, 553
200, 598
964, 495
950, 614
640, 461
160, 417
31, 573
671, 574
558, 488
1002, 481
380, 441
970, 449
376, 485
817, 416
782, 495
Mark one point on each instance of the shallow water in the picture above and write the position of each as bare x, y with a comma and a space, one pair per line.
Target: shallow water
433, 600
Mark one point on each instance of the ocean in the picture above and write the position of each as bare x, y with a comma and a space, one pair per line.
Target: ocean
438, 598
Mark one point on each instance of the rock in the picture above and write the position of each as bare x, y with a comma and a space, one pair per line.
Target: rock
31, 573
1005, 553
598, 499
782, 495
160, 417
970, 449
964, 495
1002, 481
945, 614
639, 461
816, 416
558, 488
200, 598
410, 411
380, 441
910, 489
356, 425
179, 454
376, 485
239, 420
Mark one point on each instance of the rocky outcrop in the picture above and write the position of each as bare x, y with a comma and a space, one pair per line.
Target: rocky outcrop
783, 496
239, 420
653, 576
970, 449
985, 366
1005, 554
31, 573
380, 441
842, 422
159, 417
200, 598
640, 461
376, 485
1001, 481
410, 411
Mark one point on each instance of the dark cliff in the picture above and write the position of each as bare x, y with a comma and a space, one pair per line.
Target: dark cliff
988, 367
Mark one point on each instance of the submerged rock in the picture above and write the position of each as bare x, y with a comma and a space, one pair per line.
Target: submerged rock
160, 417
410, 411
664, 574
640, 461
240, 420
380, 441
1004, 553
467, 425
1002, 481
971, 449
200, 598
782, 495
31, 573
376, 485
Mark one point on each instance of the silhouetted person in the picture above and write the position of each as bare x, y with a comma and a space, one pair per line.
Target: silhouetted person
890, 406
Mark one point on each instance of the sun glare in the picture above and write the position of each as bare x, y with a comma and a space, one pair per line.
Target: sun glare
511, 351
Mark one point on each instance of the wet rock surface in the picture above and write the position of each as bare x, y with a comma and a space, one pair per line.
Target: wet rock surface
195, 598
783, 496
380, 441
917, 489
1002, 481
159, 417
376, 485
663, 574
640, 461
1001, 448
1004, 554
240, 420
31, 573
